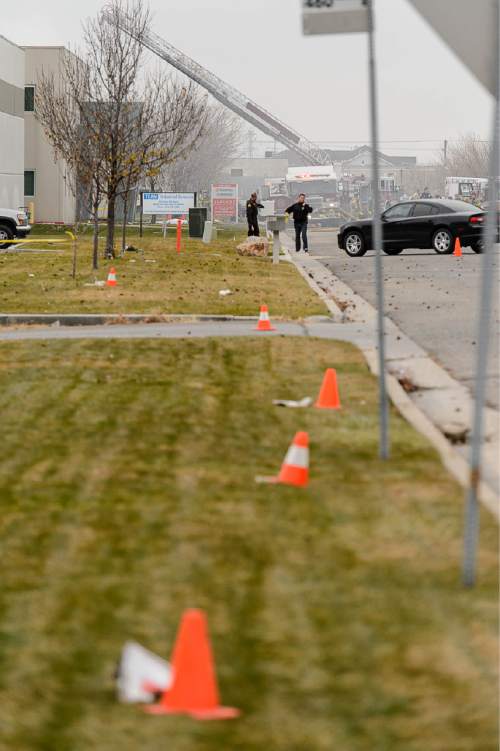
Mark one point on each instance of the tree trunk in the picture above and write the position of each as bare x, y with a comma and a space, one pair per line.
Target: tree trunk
74, 248
125, 218
95, 254
110, 237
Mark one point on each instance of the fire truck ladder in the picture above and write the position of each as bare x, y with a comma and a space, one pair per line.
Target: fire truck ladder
226, 94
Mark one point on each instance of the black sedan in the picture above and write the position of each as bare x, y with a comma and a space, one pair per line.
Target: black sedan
418, 224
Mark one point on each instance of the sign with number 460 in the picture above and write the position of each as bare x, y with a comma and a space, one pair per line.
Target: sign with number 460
335, 16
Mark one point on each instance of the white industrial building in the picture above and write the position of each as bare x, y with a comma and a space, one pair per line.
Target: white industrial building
47, 188
11, 125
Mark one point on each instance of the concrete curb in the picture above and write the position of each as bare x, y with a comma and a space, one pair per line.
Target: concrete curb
320, 291
433, 409
97, 319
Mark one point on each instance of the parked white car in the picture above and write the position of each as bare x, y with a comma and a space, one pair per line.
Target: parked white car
13, 223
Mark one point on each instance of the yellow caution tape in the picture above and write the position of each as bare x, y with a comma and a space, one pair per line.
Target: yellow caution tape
38, 240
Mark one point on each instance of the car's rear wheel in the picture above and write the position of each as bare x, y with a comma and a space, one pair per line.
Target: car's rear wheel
478, 247
354, 244
393, 251
442, 242
5, 234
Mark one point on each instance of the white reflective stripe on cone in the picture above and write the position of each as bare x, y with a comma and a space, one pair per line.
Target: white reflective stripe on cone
264, 316
297, 456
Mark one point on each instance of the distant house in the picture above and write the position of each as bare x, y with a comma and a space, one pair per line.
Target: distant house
356, 161
359, 161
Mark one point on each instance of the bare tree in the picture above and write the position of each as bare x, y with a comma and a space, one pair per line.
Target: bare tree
59, 106
113, 59
116, 123
169, 123
202, 165
468, 157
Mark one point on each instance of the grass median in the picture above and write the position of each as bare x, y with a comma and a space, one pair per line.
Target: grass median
336, 612
156, 281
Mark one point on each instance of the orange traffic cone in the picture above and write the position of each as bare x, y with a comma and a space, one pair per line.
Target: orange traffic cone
264, 322
295, 467
458, 248
329, 394
194, 689
111, 280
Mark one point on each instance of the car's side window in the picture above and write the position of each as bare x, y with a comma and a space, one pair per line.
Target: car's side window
401, 211
424, 209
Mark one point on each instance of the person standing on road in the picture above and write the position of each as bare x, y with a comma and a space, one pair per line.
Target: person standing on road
300, 211
253, 216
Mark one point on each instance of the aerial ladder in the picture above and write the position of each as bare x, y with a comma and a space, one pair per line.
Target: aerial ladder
225, 93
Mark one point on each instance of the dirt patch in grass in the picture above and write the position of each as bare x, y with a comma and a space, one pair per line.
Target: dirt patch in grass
336, 612
155, 282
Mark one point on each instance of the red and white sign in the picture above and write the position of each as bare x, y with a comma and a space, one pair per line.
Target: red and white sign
225, 202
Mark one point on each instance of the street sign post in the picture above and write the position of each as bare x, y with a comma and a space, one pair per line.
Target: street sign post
340, 17
479, 20
335, 16
486, 298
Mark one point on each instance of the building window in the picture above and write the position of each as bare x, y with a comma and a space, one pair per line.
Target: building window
236, 173
29, 98
29, 182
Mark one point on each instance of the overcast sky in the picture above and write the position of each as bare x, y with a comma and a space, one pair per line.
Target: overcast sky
317, 85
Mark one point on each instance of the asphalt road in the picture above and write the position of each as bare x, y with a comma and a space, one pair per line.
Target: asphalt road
433, 299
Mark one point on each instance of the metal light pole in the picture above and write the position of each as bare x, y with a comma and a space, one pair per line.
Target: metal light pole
484, 334
377, 238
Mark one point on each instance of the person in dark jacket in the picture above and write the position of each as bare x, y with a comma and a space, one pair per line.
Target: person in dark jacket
253, 216
300, 212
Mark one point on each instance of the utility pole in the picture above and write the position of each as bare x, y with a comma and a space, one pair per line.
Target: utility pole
384, 449
445, 153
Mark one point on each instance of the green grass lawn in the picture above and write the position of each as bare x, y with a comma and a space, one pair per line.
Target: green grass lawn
336, 612
159, 281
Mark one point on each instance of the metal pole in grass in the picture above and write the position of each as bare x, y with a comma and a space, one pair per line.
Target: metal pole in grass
179, 235
384, 448
347, 17
485, 315
74, 247
141, 215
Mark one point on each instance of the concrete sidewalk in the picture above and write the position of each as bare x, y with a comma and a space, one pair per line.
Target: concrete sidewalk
445, 402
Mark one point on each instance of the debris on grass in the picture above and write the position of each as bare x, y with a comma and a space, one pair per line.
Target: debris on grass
305, 402
254, 246
141, 675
